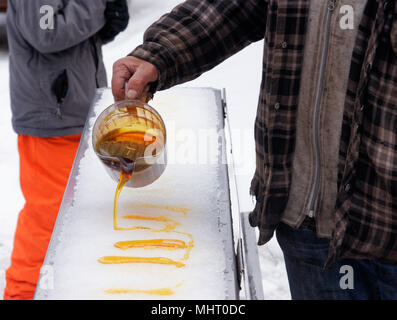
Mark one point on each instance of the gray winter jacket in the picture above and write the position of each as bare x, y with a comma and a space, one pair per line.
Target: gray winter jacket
54, 72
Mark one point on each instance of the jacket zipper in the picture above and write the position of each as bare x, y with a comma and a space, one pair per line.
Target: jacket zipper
59, 112
316, 113
96, 59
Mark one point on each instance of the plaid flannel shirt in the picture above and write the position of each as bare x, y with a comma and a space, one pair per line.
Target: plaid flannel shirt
366, 209
199, 34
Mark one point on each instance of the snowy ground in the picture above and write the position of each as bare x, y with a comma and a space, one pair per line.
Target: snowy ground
240, 75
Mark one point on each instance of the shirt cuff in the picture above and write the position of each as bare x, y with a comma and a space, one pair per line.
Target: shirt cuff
162, 59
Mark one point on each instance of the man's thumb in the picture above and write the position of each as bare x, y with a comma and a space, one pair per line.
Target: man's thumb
137, 84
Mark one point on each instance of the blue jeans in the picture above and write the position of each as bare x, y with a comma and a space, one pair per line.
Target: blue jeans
305, 255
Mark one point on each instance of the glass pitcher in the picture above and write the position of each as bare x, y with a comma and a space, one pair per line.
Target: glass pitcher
130, 135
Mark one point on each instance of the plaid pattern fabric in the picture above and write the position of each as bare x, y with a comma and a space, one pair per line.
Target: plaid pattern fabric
275, 125
366, 216
199, 34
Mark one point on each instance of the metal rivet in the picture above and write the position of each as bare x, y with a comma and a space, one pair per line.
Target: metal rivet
284, 44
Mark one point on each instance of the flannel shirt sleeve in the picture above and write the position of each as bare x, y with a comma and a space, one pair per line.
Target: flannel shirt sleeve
198, 35
393, 32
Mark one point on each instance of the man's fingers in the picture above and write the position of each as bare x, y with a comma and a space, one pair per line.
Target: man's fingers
138, 82
121, 74
118, 88
137, 73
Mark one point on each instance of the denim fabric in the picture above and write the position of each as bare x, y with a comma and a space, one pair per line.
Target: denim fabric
305, 255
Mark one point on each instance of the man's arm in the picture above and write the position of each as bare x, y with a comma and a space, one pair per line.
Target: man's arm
74, 22
193, 38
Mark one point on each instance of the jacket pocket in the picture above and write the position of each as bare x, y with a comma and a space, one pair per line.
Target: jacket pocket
54, 86
60, 88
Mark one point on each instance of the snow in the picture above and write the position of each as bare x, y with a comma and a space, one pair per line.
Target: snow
240, 75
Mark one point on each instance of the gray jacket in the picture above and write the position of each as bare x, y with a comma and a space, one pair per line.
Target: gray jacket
54, 73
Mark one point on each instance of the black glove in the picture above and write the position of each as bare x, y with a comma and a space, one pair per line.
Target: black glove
117, 18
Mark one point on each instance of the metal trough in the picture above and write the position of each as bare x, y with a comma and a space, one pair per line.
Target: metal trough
223, 263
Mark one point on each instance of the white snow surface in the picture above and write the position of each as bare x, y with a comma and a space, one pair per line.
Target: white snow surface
240, 75
87, 233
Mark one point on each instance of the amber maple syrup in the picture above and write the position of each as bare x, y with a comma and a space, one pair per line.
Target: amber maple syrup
125, 146
125, 149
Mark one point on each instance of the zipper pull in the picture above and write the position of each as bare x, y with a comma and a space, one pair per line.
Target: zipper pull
331, 5
59, 113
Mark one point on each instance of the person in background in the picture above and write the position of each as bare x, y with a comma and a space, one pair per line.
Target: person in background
338, 212
55, 69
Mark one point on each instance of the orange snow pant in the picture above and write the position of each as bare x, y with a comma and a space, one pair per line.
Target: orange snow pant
45, 165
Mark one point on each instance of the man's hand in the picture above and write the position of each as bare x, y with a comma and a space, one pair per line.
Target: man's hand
139, 74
